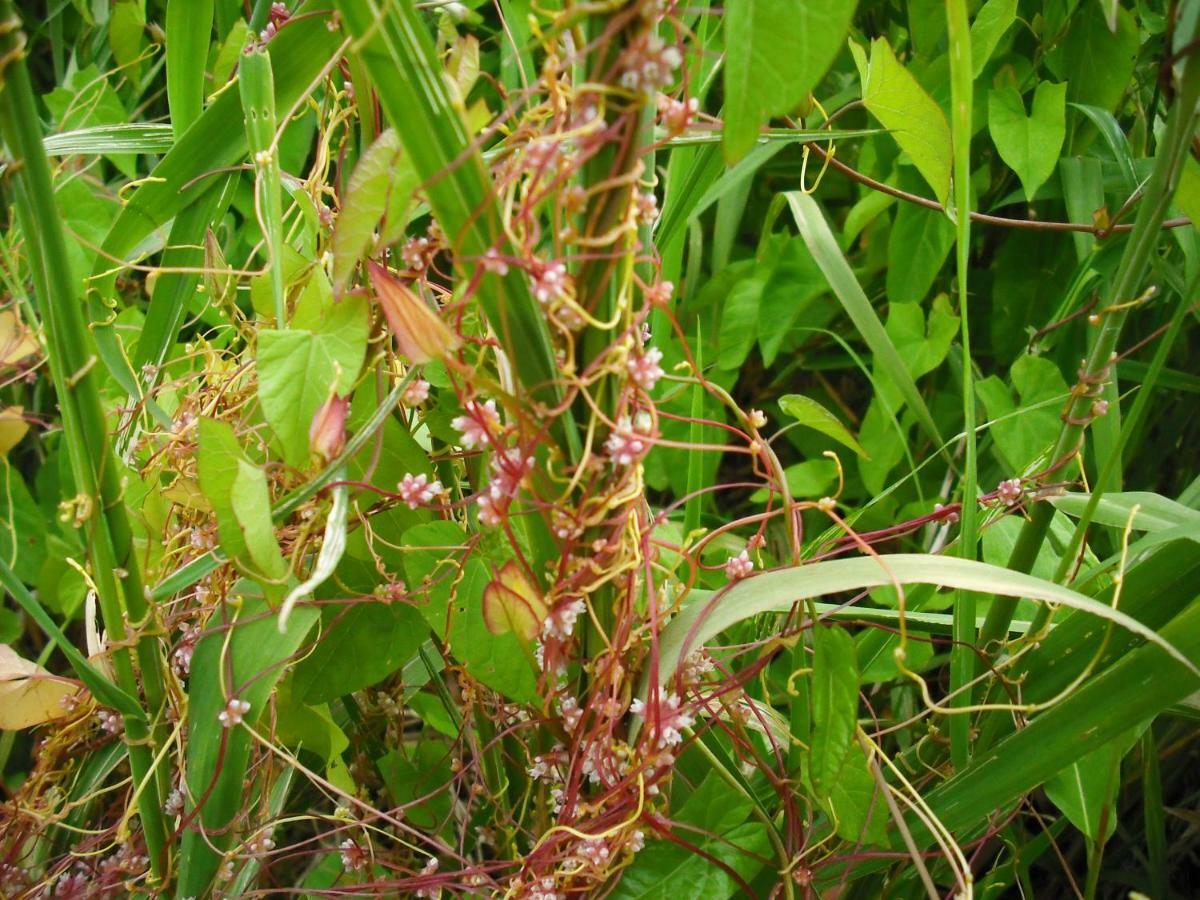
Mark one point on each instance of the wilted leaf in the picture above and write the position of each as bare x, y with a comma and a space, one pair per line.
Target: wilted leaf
13, 427
420, 333
512, 602
16, 341
29, 695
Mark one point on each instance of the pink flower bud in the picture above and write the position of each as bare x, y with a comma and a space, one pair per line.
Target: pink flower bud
327, 433
420, 334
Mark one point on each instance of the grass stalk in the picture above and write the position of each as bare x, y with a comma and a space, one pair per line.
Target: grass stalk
962, 655
72, 359
1168, 164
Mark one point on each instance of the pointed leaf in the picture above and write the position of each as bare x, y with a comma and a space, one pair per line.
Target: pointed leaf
776, 52
811, 414
1029, 146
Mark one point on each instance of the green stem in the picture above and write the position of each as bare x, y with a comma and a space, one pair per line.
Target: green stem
72, 359
962, 655
1126, 285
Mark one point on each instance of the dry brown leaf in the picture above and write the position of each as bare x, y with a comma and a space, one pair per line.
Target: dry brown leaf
13, 427
29, 695
16, 341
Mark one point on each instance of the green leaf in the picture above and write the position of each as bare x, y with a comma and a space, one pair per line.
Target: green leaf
409, 778
888, 361
811, 414
362, 646
1096, 63
779, 590
298, 369
251, 503
739, 321
775, 53
897, 100
245, 661
1122, 697
126, 34
834, 705
991, 22
237, 490
1086, 791
367, 196
1029, 146
918, 244
451, 592
189, 27
794, 284
1154, 511
1029, 428
719, 814
854, 804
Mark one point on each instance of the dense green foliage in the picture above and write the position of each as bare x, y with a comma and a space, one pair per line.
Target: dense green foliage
635, 448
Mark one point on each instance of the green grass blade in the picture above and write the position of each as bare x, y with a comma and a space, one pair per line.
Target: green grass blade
1138, 687
962, 655
132, 138
71, 355
777, 591
825, 250
189, 27
394, 44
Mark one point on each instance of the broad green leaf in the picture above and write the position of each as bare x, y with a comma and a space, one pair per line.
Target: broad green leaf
237, 490
1086, 790
217, 467
126, 34
1187, 195
360, 646
246, 664
858, 811
739, 322
298, 369
991, 22
366, 199
251, 504
811, 414
449, 594
894, 97
922, 346
794, 284
409, 776
780, 590
1025, 432
1154, 511
834, 705
918, 244
720, 813
775, 53
1029, 146
307, 725
1095, 62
